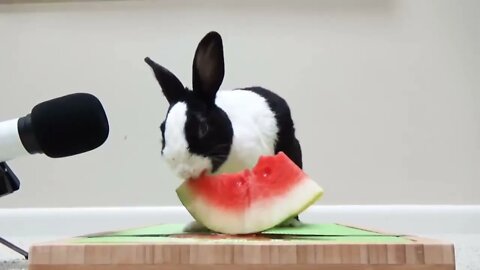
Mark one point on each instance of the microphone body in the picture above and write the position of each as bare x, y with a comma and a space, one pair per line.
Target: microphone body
11, 145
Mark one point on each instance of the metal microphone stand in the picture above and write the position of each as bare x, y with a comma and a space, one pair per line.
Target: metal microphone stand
9, 183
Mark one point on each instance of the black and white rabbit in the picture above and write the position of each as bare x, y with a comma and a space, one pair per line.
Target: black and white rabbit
212, 131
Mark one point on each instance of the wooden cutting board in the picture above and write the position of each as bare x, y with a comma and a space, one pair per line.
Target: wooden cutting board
313, 246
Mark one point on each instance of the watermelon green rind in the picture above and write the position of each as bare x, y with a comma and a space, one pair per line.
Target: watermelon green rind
280, 209
314, 199
186, 198
184, 195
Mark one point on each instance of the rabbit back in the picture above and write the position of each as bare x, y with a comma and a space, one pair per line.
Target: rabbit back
262, 125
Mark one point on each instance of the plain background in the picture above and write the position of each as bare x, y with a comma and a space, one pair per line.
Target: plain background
385, 94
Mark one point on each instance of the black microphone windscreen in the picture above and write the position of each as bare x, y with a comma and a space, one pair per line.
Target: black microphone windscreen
70, 125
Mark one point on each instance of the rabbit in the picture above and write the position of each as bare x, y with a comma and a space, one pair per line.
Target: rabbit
210, 131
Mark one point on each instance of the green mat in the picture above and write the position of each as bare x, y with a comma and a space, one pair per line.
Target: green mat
303, 239
321, 230
307, 229
173, 233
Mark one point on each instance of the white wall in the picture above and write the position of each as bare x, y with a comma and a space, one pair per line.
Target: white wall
385, 94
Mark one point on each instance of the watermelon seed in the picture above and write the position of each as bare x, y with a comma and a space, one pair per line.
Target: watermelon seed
267, 171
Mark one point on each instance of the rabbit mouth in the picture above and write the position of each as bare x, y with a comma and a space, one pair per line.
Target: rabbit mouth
187, 174
187, 165
201, 174
192, 168
191, 173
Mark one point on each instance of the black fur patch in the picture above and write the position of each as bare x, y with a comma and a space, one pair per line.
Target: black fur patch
286, 140
162, 129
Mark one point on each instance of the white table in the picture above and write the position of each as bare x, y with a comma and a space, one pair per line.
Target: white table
457, 224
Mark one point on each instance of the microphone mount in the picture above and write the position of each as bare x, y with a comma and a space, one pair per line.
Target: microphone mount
9, 183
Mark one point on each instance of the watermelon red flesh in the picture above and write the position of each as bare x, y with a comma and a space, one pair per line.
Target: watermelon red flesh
252, 200
228, 191
272, 179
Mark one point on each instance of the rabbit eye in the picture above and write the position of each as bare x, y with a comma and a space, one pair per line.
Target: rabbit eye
203, 129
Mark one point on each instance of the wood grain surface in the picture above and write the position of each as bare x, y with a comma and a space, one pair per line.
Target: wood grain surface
419, 253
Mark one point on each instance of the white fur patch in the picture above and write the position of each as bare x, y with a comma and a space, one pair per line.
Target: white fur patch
254, 127
182, 162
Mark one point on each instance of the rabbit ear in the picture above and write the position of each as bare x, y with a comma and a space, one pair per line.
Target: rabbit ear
171, 86
208, 67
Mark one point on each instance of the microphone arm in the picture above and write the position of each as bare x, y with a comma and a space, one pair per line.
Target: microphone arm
9, 183
14, 247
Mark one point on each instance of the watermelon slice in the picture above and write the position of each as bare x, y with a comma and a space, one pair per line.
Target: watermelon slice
250, 201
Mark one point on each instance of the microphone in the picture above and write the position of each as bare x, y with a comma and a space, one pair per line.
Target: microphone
60, 127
